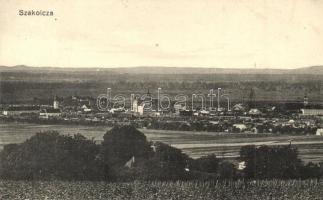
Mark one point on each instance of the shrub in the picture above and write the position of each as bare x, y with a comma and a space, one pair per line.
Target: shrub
207, 164
226, 170
310, 170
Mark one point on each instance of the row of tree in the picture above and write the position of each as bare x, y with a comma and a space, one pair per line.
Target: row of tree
282, 162
125, 154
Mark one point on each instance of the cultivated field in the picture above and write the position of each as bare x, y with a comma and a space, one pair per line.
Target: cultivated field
195, 144
276, 189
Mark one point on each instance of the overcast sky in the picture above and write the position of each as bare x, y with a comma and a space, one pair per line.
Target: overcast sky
182, 33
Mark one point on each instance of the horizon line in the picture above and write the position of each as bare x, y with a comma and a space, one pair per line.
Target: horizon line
160, 66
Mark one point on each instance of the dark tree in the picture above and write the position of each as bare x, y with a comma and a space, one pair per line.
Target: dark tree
49, 155
167, 163
271, 162
120, 144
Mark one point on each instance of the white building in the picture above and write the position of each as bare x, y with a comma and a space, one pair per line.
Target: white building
86, 109
242, 165
140, 109
55, 103
131, 162
254, 111
20, 110
241, 127
319, 131
204, 112
50, 113
238, 107
134, 106
144, 105
117, 110
312, 112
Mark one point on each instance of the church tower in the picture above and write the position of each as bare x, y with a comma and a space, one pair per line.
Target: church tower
305, 100
56, 103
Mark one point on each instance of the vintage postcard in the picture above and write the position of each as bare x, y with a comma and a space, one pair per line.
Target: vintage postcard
161, 99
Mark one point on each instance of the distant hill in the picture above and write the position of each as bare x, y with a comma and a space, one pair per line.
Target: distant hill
317, 70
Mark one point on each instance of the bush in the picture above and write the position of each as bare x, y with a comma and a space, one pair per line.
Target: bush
310, 170
209, 164
227, 170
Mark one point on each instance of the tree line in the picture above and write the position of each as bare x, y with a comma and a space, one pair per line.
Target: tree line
125, 155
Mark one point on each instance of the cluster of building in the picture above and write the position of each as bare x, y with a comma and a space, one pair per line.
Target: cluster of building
44, 112
242, 118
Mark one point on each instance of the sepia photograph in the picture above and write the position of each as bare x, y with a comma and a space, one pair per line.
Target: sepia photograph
161, 100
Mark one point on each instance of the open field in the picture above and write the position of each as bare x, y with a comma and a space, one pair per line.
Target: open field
23, 85
195, 144
275, 189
